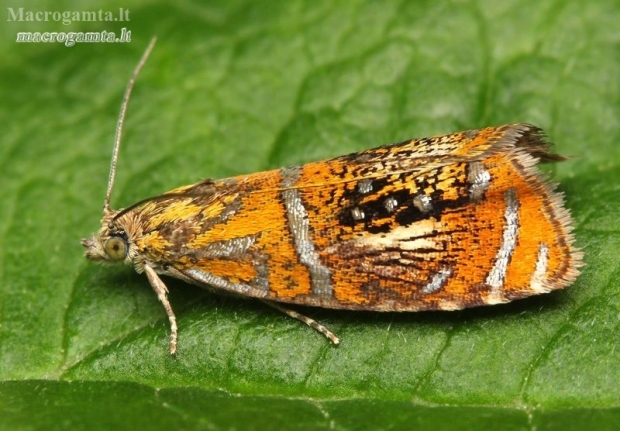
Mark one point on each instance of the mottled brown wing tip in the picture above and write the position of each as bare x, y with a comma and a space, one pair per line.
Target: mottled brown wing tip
534, 140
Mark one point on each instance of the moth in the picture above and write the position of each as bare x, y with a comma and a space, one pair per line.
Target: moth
440, 223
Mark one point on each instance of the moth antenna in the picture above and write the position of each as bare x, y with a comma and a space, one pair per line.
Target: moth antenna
121, 122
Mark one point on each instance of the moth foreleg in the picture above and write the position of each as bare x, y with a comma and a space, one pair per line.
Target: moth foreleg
162, 294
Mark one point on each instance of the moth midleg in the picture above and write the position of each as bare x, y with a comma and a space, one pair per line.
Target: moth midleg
162, 294
307, 320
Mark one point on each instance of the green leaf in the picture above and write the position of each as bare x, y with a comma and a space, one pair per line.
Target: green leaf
238, 86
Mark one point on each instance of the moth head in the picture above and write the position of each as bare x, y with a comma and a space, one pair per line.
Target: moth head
111, 244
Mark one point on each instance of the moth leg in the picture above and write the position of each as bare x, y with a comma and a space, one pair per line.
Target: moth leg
162, 294
307, 320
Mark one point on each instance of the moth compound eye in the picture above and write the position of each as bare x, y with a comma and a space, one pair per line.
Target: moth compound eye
115, 247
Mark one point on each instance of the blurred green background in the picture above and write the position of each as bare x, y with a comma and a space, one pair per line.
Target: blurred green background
240, 86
